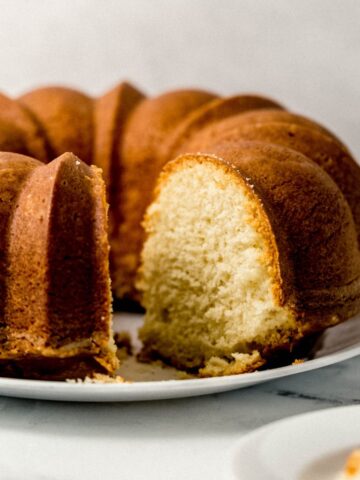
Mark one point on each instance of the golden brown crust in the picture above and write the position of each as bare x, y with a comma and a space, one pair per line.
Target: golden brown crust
55, 266
209, 114
11, 112
12, 139
14, 170
65, 117
322, 256
328, 153
51, 368
149, 124
269, 115
111, 114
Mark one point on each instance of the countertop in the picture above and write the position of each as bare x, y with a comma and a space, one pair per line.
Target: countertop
174, 439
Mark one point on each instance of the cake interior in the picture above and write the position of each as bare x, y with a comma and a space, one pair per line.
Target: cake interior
207, 276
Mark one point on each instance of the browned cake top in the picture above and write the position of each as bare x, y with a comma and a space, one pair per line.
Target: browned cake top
54, 275
328, 153
65, 117
323, 254
111, 113
269, 115
155, 118
13, 113
209, 114
131, 137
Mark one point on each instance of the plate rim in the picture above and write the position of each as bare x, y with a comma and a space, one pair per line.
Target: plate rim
25, 388
253, 434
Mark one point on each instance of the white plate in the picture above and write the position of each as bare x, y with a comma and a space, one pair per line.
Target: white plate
153, 382
313, 446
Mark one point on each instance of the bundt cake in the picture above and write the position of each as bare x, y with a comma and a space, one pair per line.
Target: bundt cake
252, 238
55, 299
249, 249
130, 137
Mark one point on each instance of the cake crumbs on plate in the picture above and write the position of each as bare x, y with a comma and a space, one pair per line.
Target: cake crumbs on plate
123, 343
99, 378
298, 361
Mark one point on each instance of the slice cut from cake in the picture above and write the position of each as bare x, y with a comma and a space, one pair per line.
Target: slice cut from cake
55, 291
249, 250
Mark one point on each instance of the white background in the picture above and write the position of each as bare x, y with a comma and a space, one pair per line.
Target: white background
305, 53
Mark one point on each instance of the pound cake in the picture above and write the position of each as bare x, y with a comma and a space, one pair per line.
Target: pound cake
131, 137
55, 301
249, 249
250, 243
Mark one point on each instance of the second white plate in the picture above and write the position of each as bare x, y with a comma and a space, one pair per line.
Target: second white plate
312, 446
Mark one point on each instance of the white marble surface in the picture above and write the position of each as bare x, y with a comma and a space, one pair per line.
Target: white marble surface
163, 440
305, 53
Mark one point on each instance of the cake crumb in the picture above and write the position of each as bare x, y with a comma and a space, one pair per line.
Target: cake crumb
98, 378
239, 363
123, 343
182, 375
298, 361
123, 340
353, 464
